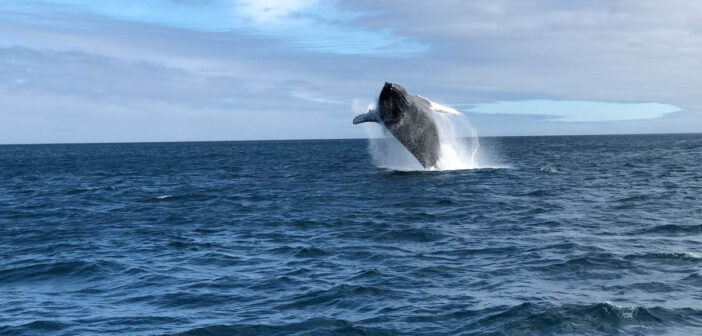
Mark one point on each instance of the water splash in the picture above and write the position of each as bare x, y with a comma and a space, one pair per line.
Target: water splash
459, 142
460, 145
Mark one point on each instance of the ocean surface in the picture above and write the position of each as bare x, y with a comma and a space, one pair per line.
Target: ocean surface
581, 235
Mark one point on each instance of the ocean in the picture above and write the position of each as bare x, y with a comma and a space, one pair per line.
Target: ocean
580, 235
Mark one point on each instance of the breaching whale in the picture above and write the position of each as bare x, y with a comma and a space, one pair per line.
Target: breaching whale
410, 119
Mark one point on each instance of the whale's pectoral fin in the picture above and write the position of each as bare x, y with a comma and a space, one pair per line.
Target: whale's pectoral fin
370, 116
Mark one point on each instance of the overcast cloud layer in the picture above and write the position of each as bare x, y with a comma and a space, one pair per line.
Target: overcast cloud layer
169, 70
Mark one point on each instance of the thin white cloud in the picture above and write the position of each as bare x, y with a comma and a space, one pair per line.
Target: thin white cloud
578, 111
271, 11
315, 98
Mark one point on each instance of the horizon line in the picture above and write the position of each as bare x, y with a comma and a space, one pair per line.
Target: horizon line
327, 139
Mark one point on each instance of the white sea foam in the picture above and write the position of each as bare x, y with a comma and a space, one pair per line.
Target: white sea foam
693, 255
89, 188
460, 145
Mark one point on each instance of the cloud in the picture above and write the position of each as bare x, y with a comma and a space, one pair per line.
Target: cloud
578, 111
58, 96
255, 70
317, 99
270, 11
301, 24
609, 51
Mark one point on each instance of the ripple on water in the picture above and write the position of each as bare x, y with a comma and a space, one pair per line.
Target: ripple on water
670, 229
321, 326
77, 270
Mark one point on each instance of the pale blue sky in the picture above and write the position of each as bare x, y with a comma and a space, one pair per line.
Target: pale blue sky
169, 70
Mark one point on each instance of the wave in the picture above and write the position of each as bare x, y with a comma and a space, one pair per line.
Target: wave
299, 251
633, 198
315, 326
694, 279
674, 229
37, 327
87, 189
666, 257
352, 299
598, 319
648, 287
82, 270
600, 266
524, 319
195, 197
420, 235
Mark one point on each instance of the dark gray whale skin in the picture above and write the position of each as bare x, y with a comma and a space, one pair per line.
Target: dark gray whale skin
409, 119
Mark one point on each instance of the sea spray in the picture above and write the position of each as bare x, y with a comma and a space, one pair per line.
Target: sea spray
459, 143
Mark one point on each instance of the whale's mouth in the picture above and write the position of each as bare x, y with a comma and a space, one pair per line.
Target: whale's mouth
397, 93
393, 99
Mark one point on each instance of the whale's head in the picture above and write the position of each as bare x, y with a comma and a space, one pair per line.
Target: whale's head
393, 101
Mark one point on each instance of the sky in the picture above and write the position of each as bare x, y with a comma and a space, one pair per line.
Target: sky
195, 70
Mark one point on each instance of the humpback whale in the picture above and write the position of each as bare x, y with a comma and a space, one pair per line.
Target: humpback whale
410, 119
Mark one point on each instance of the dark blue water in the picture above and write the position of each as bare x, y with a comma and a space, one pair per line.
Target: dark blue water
580, 235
